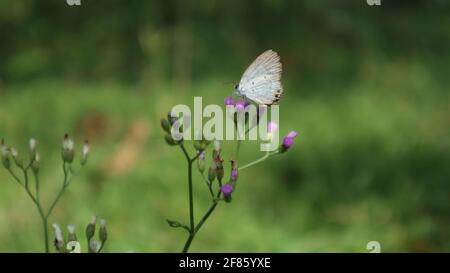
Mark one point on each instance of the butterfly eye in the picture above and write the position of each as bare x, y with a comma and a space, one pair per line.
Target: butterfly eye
236, 86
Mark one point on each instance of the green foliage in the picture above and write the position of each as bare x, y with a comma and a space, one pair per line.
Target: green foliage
367, 89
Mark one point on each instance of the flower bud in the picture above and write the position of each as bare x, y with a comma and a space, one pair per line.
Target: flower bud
72, 236
219, 172
288, 141
32, 147
67, 151
90, 229
217, 146
212, 172
227, 190
4, 153
241, 104
165, 125
36, 163
94, 246
201, 161
59, 239
171, 119
103, 235
229, 101
234, 171
218, 161
85, 153
169, 140
17, 158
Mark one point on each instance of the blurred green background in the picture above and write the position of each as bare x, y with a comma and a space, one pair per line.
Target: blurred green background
366, 87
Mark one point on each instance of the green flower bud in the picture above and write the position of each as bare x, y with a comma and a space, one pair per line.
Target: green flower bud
72, 237
165, 125
168, 138
94, 246
219, 172
59, 239
103, 235
201, 162
67, 151
212, 172
90, 229
4, 153
17, 158
218, 161
32, 147
36, 163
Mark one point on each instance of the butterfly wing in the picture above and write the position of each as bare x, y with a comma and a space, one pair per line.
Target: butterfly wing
261, 80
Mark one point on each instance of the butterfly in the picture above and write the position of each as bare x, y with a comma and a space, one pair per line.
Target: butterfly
260, 82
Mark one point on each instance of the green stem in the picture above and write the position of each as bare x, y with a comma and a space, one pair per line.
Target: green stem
61, 191
39, 207
208, 184
15, 177
238, 147
45, 226
255, 162
190, 186
36, 181
200, 224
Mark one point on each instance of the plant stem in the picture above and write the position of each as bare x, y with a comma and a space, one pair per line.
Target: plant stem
255, 162
61, 191
39, 207
190, 186
45, 226
36, 199
238, 147
209, 185
199, 225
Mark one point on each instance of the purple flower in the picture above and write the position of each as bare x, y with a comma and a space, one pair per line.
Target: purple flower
291, 134
226, 189
289, 139
241, 104
234, 174
229, 101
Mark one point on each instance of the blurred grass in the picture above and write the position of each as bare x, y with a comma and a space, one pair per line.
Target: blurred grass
369, 164
366, 87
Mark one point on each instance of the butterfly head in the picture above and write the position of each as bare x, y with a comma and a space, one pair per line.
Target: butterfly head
236, 89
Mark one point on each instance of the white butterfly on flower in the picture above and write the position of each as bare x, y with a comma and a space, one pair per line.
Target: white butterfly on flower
260, 83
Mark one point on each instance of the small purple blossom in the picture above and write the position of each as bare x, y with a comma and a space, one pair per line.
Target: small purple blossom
289, 139
241, 104
291, 134
234, 174
234, 171
226, 189
229, 101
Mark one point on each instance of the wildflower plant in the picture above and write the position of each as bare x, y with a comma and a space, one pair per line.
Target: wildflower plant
20, 170
70, 244
220, 186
